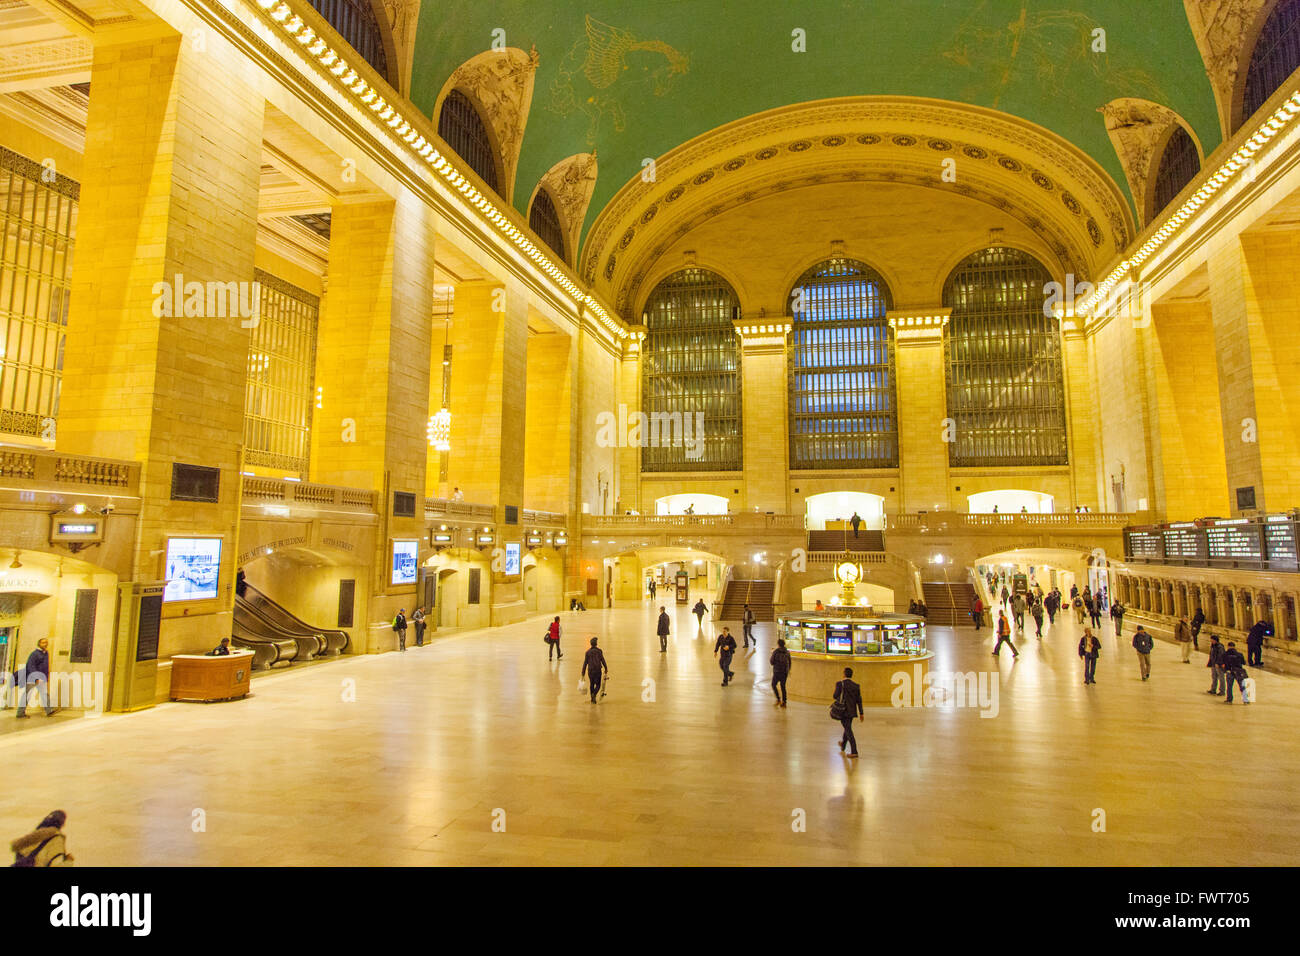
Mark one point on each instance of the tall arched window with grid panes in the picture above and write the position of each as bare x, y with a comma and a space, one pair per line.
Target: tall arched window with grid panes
544, 219
461, 127
1275, 57
281, 390
691, 378
1179, 164
1002, 356
843, 405
356, 22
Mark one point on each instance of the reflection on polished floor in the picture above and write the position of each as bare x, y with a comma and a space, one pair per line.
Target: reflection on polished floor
441, 738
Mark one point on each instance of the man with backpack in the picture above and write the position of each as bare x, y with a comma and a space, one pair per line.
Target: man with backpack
723, 649
1142, 643
1234, 666
44, 846
1198, 621
399, 626
780, 662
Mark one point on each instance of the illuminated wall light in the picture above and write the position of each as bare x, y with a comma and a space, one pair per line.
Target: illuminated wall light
281, 13
306, 36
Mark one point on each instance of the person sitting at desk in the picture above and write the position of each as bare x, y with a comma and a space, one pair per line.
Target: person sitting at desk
221, 649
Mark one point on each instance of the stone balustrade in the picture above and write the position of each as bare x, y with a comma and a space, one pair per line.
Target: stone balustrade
55, 470
261, 491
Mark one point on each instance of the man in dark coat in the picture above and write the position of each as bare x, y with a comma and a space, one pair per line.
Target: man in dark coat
747, 626
780, 662
1218, 679
1198, 621
594, 668
1255, 644
723, 648
399, 625
1234, 668
35, 671
1089, 650
663, 630
856, 521
849, 694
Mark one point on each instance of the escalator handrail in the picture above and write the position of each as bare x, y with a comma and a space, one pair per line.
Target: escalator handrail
280, 610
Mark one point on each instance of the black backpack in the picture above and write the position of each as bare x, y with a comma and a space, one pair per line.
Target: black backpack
29, 859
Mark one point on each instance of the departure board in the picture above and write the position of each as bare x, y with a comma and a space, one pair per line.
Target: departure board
1279, 538
1145, 544
1235, 542
1184, 543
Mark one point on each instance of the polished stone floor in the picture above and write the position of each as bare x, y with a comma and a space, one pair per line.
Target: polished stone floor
436, 744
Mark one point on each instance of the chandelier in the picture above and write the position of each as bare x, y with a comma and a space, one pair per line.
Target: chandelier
439, 430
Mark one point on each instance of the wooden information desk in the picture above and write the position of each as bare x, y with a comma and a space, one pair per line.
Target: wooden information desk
220, 677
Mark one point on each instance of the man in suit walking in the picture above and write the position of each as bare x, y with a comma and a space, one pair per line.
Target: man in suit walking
848, 693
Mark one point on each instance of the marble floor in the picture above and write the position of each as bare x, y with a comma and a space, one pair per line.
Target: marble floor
410, 759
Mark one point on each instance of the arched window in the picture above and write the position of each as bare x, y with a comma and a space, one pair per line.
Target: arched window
1006, 392
545, 221
841, 361
691, 367
1179, 165
462, 129
1275, 58
356, 23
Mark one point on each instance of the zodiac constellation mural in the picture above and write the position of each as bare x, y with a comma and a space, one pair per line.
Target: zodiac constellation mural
607, 67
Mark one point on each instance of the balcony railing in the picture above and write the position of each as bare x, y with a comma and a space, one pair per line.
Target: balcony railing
278, 491
447, 508
999, 522
59, 471
740, 522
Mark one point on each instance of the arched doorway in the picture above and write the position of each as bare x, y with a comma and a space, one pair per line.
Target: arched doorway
697, 504
1010, 501
831, 510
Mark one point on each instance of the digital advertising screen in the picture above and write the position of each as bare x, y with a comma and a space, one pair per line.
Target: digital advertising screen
512, 557
405, 556
192, 569
839, 641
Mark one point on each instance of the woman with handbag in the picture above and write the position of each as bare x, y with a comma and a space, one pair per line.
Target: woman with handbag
848, 704
553, 640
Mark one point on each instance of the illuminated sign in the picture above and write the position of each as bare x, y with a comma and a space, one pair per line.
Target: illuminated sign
405, 555
65, 528
512, 557
191, 570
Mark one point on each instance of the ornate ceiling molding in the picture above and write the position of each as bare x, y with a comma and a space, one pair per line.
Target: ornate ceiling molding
1225, 31
1029, 173
571, 182
1139, 131
500, 83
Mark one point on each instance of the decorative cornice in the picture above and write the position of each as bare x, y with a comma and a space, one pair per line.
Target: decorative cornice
926, 325
1138, 129
570, 183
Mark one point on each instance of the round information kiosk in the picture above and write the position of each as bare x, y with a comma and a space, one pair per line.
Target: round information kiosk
847, 633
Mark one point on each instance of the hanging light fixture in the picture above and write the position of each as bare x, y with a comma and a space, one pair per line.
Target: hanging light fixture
440, 430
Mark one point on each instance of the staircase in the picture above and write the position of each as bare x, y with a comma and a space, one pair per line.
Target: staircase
757, 594
948, 604
844, 540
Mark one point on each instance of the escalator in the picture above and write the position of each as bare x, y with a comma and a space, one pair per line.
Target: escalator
268, 649
331, 640
305, 646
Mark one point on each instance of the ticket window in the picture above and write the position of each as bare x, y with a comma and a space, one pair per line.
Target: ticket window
814, 639
866, 640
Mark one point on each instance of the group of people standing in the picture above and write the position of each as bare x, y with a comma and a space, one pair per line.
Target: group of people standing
400, 624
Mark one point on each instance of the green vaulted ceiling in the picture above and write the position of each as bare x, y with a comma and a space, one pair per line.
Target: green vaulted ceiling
635, 79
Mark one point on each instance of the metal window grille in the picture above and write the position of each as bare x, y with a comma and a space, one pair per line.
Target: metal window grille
38, 217
1002, 355
281, 377
1178, 166
355, 22
691, 363
462, 129
843, 410
1275, 58
545, 221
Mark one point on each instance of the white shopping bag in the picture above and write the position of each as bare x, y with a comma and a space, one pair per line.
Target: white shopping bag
582, 685
1248, 691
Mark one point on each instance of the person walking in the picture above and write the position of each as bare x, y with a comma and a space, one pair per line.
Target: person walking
44, 846
1052, 604
663, 631
1142, 643
418, 620
1255, 644
856, 522
747, 627
849, 696
1198, 621
1093, 606
1018, 610
977, 613
1183, 635
1234, 669
399, 625
1218, 677
1117, 615
553, 640
723, 649
1004, 636
652, 589
699, 611
780, 661
594, 668
1006, 595
1079, 609
1089, 650
35, 672
1037, 613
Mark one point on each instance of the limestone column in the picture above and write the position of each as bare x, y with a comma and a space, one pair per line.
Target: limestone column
765, 415
924, 432
629, 396
489, 392
1090, 486
169, 196
548, 420
373, 359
